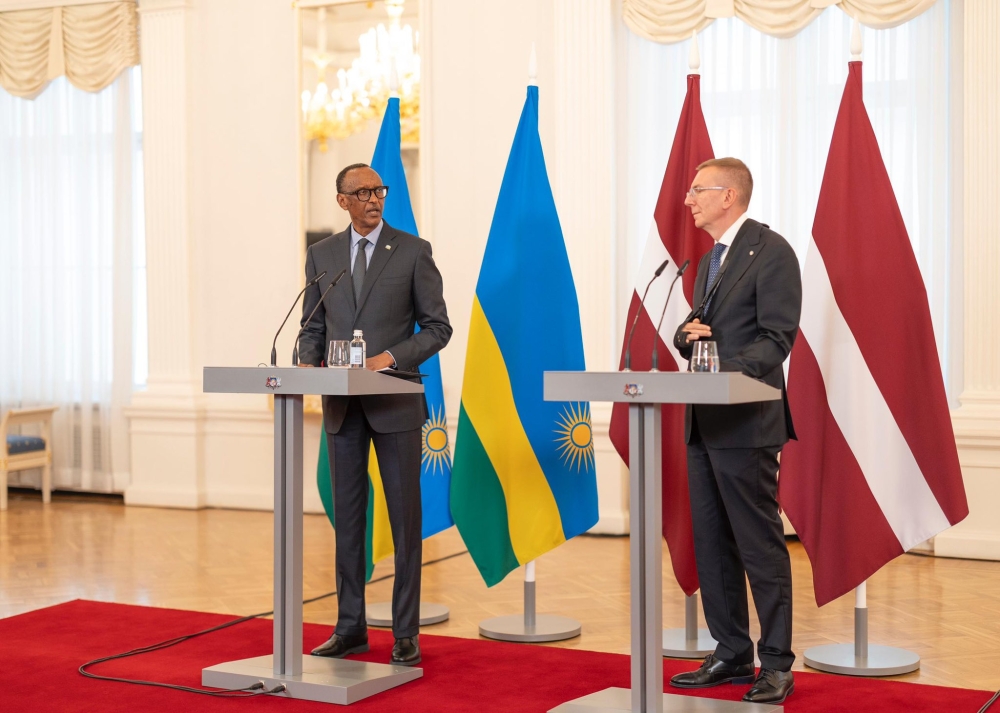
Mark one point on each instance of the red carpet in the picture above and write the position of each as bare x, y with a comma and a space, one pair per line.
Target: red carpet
41, 651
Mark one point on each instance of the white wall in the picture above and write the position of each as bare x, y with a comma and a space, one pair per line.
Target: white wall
977, 420
235, 253
244, 219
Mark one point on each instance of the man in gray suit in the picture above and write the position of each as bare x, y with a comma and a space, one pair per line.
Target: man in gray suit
393, 286
732, 452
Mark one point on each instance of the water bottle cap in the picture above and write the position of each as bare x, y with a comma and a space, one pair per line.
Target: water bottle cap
357, 332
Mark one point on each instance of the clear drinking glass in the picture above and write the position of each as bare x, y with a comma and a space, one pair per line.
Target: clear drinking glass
705, 357
338, 353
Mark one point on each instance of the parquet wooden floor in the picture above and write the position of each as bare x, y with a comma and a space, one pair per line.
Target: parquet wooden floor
220, 561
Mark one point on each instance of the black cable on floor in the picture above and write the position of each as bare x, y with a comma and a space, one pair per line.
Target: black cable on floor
256, 689
990, 702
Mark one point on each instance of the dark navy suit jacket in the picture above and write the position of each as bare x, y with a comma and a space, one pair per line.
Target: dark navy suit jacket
402, 288
754, 317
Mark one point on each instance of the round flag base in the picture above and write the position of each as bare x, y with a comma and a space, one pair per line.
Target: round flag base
676, 645
380, 613
547, 627
881, 660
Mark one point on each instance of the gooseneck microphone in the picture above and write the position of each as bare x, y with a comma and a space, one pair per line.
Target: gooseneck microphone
631, 333
656, 357
274, 351
295, 350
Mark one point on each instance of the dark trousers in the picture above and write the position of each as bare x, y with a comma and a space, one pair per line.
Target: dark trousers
399, 465
738, 535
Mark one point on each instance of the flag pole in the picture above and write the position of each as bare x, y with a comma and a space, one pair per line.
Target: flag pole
689, 642
529, 627
861, 658
380, 613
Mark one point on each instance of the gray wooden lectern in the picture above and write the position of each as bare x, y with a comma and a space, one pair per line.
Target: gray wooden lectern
644, 392
309, 677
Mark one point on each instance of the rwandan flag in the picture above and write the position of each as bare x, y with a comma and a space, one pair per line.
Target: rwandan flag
524, 479
435, 472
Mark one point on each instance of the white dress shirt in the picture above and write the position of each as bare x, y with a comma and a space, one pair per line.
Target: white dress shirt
729, 236
372, 239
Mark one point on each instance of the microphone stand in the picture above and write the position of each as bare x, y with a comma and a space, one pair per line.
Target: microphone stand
274, 350
628, 342
656, 356
295, 350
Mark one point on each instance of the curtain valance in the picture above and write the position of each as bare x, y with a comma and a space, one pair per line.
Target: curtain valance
667, 21
90, 44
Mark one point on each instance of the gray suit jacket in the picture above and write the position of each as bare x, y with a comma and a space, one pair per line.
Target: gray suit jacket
402, 288
754, 317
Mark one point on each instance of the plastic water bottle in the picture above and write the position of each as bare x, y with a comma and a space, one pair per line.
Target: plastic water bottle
358, 350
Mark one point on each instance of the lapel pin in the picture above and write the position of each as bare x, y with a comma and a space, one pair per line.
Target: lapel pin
388, 247
751, 252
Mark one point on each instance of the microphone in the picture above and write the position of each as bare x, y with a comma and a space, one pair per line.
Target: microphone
656, 356
628, 342
295, 350
274, 351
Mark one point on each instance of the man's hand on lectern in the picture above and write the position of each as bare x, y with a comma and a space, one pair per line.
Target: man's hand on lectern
380, 361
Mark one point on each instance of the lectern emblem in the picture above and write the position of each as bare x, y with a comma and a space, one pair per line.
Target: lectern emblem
633, 390
273, 382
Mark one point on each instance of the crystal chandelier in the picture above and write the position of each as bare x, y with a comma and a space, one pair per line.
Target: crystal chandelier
362, 90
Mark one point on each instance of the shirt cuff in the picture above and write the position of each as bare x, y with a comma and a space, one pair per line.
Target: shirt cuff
394, 365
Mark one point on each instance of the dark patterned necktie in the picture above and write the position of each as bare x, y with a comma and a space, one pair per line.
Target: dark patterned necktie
360, 268
713, 270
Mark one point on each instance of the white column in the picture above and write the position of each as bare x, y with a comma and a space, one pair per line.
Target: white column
977, 421
582, 171
165, 419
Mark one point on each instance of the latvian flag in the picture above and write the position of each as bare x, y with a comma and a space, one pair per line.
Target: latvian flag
673, 235
875, 470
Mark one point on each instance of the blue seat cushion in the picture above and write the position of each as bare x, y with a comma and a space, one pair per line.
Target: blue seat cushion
24, 444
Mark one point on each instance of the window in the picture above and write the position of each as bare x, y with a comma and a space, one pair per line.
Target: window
72, 281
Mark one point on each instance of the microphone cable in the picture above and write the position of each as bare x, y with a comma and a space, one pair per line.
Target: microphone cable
990, 702
257, 689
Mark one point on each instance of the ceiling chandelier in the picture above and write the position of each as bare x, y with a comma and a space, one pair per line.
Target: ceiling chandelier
360, 93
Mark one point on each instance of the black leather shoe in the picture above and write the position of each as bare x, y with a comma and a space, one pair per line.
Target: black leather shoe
337, 646
771, 686
712, 672
406, 651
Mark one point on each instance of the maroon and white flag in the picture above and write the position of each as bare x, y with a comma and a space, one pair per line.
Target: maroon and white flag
875, 469
673, 235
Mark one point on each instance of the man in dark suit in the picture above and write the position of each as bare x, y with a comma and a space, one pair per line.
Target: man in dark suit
393, 285
732, 451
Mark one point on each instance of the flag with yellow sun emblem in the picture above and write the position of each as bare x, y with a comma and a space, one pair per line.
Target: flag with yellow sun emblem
435, 471
524, 480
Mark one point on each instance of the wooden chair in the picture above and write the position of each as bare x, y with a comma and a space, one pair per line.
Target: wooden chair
24, 452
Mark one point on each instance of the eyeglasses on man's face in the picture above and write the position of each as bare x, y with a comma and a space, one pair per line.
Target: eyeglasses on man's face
695, 190
365, 194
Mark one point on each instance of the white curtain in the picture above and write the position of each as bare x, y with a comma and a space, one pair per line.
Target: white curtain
70, 220
773, 103
674, 20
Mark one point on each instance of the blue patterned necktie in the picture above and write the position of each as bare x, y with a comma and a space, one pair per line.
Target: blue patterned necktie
713, 270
